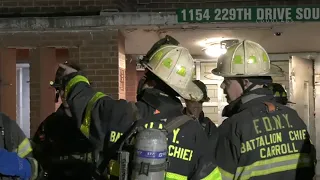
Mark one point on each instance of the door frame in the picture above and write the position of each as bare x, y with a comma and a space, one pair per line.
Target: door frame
311, 126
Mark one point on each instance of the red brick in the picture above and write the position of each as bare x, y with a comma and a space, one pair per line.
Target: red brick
42, 70
91, 55
56, 3
39, 3
8, 82
9, 3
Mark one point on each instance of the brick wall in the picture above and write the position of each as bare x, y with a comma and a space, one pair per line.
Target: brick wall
122, 67
98, 55
131, 83
140, 74
97, 52
94, 6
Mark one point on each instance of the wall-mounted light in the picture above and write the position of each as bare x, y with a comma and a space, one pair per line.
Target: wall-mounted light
215, 50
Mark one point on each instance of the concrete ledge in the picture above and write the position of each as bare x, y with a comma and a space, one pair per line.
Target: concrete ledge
111, 20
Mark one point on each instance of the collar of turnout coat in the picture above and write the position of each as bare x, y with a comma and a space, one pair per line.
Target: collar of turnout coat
243, 102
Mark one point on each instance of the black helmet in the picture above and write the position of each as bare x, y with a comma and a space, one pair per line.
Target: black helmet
204, 90
279, 93
57, 83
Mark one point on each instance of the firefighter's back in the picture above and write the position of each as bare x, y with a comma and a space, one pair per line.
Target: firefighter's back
185, 146
185, 143
274, 143
62, 150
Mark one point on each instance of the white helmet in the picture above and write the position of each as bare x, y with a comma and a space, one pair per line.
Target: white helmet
174, 65
245, 59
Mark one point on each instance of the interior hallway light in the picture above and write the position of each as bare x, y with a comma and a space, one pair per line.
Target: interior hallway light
215, 50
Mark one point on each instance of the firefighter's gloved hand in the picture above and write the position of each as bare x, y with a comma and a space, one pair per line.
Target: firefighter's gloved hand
13, 165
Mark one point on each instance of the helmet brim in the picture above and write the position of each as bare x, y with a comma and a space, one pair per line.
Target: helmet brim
289, 102
216, 72
196, 94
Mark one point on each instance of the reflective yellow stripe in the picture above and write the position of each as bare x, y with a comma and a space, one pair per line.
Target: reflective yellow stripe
85, 127
114, 168
274, 165
35, 170
24, 148
225, 174
174, 176
215, 174
72, 82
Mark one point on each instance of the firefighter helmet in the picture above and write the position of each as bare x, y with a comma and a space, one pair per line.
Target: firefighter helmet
174, 65
244, 59
204, 89
279, 93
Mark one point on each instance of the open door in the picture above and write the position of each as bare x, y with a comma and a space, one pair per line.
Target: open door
301, 88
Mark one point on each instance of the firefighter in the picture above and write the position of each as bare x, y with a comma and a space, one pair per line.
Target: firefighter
62, 150
194, 108
260, 139
104, 120
15, 152
279, 93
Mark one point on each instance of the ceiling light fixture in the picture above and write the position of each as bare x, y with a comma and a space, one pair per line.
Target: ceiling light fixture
204, 43
215, 50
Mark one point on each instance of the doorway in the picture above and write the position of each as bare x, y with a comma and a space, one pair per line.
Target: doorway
23, 97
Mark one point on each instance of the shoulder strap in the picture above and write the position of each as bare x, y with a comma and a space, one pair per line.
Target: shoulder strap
177, 122
169, 126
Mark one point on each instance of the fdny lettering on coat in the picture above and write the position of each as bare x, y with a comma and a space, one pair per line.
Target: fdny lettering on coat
174, 150
271, 124
272, 140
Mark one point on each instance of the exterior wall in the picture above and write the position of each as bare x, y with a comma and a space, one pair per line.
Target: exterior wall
317, 110
97, 52
16, 7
